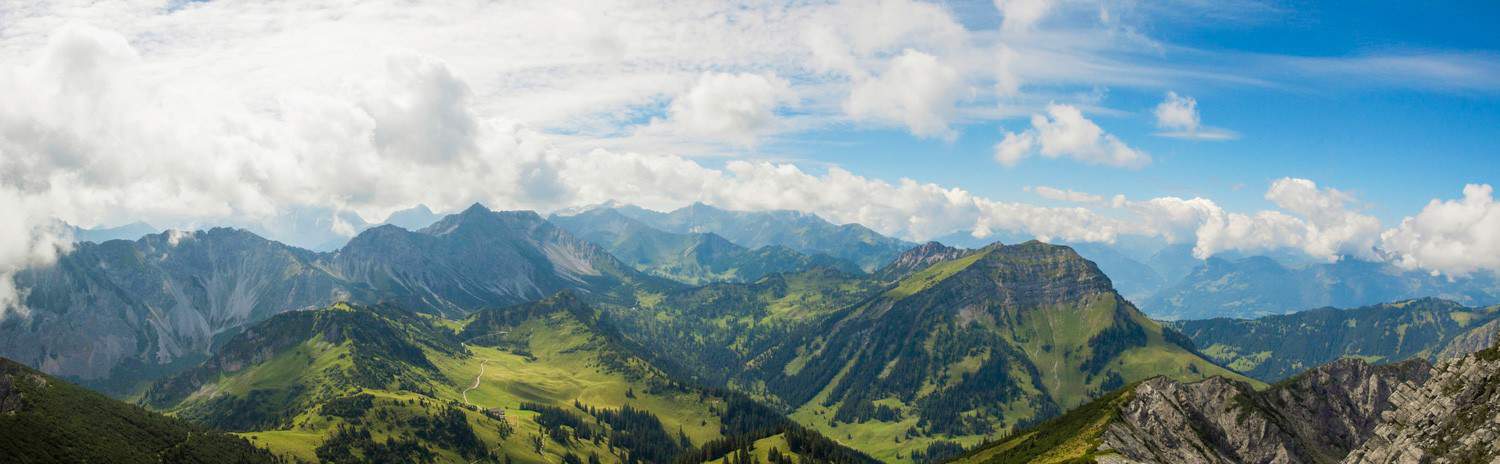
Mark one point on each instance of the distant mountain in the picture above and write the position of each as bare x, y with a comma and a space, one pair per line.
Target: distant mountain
1317, 417
48, 420
803, 232
413, 218
1259, 286
122, 312
130, 231
128, 310
1133, 279
482, 259
312, 228
1173, 262
692, 258
1275, 347
548, 381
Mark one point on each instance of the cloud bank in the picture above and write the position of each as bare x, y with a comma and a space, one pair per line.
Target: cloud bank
116, 113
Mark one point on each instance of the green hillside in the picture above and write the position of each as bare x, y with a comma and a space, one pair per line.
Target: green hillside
970, 346
1275, 347
44, 419
548, 381
975, 347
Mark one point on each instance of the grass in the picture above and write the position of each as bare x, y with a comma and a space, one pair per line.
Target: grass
561, 360
563, 367
933, 274
761, 449
1072, 437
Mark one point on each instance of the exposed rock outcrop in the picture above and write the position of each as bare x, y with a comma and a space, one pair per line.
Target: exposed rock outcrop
1452, 418
1317, 417
918, 258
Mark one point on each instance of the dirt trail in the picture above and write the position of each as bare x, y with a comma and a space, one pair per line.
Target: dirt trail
482, 367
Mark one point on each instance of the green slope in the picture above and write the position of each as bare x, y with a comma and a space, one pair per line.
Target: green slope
540, 382
44, 419
970, 348
1275, 347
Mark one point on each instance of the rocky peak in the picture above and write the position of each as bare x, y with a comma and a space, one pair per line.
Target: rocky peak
918, 258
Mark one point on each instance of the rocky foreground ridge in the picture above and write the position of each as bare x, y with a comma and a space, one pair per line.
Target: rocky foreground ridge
1317, 417
1452, 418
1347, 412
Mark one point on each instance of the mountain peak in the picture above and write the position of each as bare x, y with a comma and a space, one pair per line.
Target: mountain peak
1033, 273
476, 208
918, 258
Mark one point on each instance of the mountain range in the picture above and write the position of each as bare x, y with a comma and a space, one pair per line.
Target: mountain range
616, 334
692, 258
802, 232
123, 311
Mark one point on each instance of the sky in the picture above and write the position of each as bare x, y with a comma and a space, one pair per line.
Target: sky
1233, 125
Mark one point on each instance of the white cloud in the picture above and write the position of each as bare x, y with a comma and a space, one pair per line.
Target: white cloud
916, 89
28, 237
1052, 193
1177, 112
1021, 15
733, 107
1455, 237
1323, 226
1178, 117
1065, 133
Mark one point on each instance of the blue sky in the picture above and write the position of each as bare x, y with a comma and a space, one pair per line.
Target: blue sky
1232, 125
1395, 146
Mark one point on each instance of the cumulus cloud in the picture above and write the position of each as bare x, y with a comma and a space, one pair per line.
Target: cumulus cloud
1323, 224
1177, 112
1021, 15
1455, 237
1052, 193
1065, 133
916, 90
1178, 117
733, 107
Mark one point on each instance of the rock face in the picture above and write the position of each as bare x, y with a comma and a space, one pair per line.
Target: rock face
918, 258
1454, 417
1317, 417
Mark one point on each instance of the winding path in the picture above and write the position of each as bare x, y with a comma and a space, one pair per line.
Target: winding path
476, 382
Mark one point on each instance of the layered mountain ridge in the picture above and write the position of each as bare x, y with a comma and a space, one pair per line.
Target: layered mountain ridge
122, 307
